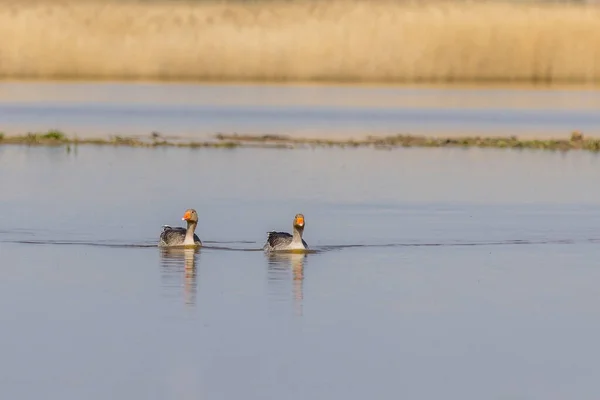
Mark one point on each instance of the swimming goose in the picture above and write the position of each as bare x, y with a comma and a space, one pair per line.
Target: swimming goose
283, 241
181, 236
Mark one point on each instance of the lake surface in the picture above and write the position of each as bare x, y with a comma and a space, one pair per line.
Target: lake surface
438, 273
200, 111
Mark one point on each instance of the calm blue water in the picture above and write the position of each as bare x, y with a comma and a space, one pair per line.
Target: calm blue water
200, 111
439, 273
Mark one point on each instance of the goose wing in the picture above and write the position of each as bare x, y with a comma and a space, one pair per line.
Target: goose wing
171, 235
278, 239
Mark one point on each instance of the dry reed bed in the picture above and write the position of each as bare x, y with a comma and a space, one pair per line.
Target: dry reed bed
311, 40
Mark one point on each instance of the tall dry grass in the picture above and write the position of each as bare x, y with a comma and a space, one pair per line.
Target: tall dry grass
300, 40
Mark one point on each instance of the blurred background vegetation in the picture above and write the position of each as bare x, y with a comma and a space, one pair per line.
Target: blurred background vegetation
302, 40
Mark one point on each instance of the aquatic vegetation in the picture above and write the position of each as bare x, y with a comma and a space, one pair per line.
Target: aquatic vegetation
54, 135
576, 141
54, 138
127, 141
281, 40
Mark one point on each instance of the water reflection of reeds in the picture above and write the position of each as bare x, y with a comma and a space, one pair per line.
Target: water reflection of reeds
178, 265
279, 267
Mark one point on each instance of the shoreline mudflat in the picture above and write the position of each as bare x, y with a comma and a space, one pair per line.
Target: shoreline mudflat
576, 141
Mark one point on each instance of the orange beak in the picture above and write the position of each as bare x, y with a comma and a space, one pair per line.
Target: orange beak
186, 216
300, 221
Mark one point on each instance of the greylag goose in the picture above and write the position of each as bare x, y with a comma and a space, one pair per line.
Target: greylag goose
181, 236
283, 241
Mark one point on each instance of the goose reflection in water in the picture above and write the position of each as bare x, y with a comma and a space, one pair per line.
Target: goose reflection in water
178, 263
280, 265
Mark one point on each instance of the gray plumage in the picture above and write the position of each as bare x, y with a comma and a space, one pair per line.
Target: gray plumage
175, 236
279, 239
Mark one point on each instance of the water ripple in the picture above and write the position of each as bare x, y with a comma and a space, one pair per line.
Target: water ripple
219, 246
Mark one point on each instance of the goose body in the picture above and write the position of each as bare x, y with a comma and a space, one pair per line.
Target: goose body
178, 236
283, 241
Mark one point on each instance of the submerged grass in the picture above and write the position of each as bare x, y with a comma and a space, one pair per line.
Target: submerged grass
56, 138
302, 40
